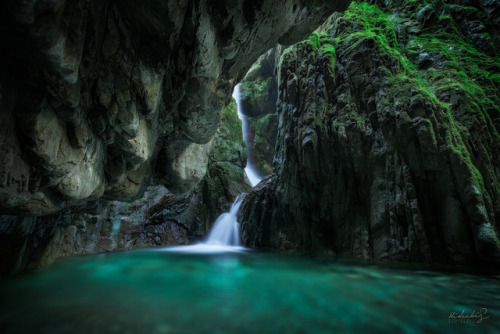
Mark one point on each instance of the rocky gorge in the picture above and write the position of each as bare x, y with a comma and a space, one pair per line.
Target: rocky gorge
388, 140
378, 129
101, 99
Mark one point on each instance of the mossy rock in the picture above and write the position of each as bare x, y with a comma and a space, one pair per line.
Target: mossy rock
266, 130
228, 144
259, 90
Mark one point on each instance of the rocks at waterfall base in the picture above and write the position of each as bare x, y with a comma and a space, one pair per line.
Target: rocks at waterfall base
32, 242
388, 142
157, 219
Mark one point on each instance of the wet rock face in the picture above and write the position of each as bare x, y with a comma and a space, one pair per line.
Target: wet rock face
259, 87
158, 218
387, 148
28, 243
100, 98
259, 93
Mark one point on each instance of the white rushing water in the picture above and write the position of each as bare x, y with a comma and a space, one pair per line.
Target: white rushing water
226, 229
225, 234
252, 174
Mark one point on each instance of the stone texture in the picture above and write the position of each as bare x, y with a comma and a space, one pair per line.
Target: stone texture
101, 98
259, 88
392, 153
156, 219
259, 94
31, 242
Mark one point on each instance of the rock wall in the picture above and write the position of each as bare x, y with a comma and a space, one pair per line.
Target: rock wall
99, 99
259, 93
158, 218
28, 243
388, 143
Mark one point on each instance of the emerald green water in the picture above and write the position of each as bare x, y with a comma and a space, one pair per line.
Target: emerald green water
151, 291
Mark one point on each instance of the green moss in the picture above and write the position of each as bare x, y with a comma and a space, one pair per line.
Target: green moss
463, 68
444, 69
228, 143
265, 139
260, 124
230, 123
469, 8
256, 65
456, 143
322, 44
405, 86
456, 81
286, 56
371, 23
430, 128
257, 88
315, 40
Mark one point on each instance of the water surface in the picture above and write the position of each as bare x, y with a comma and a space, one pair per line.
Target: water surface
150, 291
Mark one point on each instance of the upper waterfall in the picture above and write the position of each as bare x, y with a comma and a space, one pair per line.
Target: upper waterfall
252, 174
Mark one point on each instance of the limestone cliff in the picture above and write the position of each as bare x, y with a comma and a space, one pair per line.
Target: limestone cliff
388, 141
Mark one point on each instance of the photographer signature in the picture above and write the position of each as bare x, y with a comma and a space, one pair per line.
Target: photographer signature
464, 317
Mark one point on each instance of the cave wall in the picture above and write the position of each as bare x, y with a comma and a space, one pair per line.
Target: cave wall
158, 218
388, 139
259, 93
105, 101
99, 99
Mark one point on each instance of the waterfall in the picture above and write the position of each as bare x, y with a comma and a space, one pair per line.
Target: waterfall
226, 228
252, 174
225, 234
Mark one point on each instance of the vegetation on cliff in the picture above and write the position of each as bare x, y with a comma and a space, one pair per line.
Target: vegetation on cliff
157, 219
390, 115
259, 91
433, 59
225, 177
